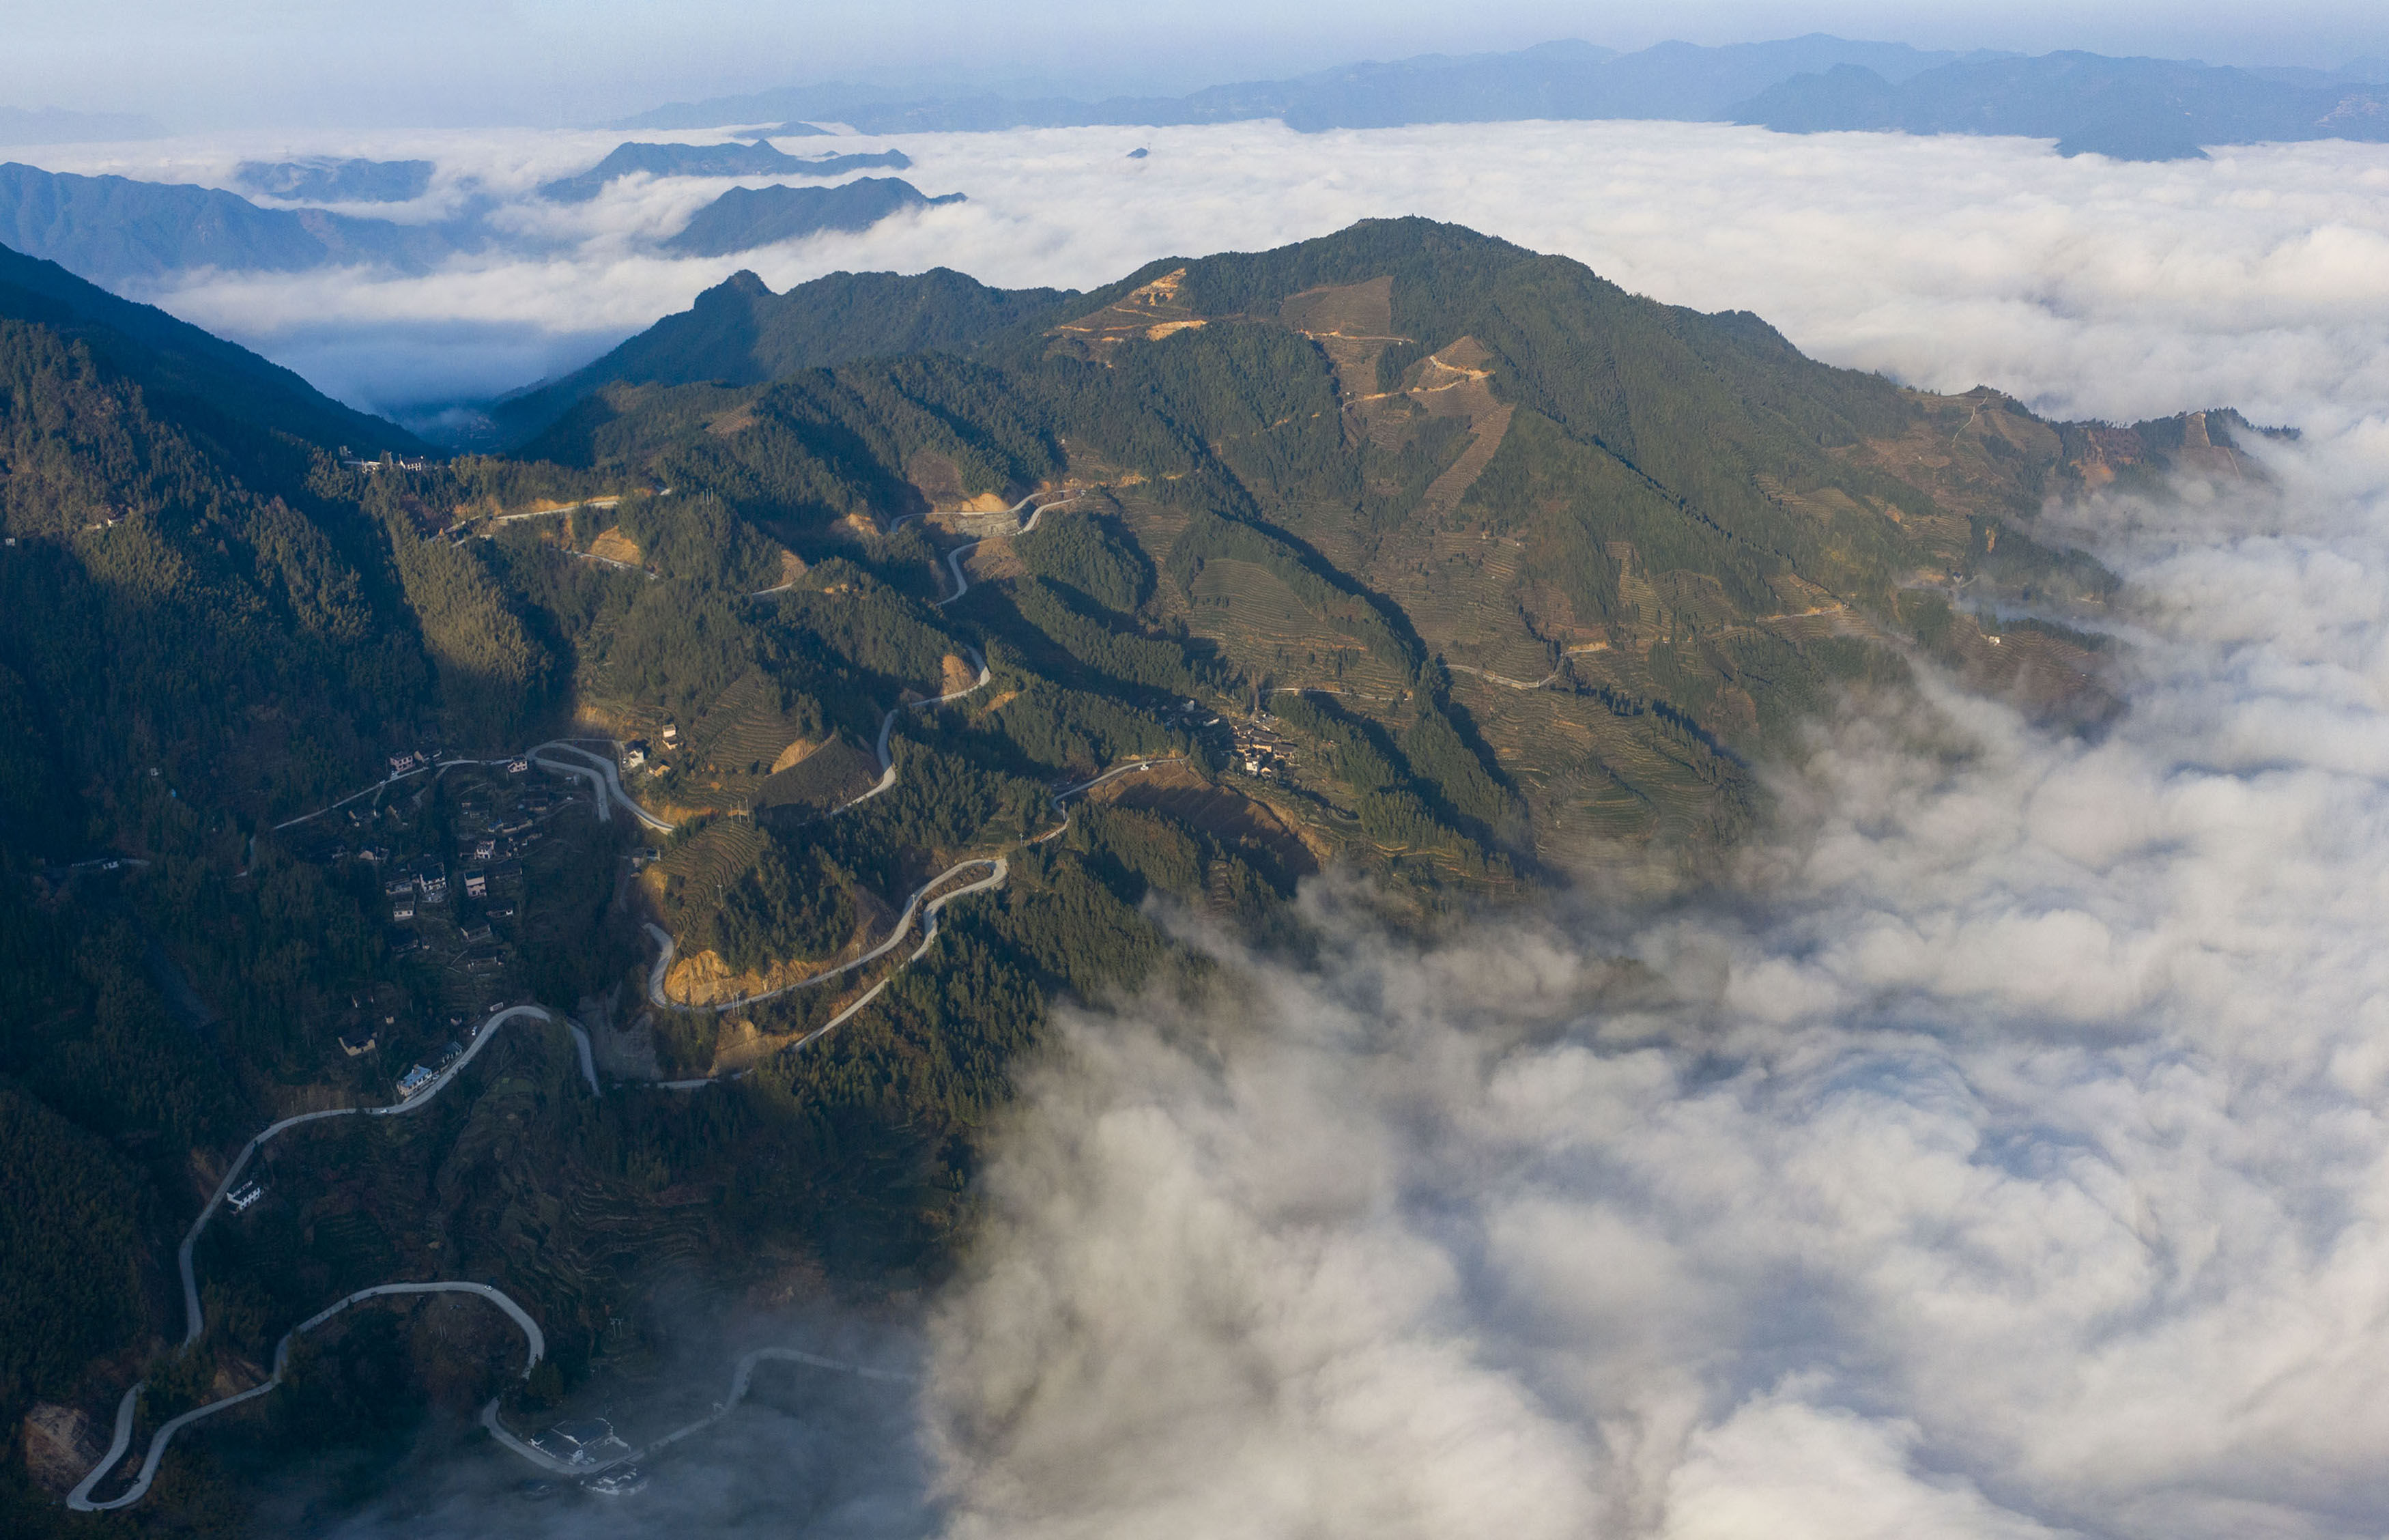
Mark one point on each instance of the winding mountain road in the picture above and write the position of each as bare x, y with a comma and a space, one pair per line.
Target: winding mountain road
912, 906
606, 782
955, 556
79, 1498
601, 776
742, 1377
195, 1321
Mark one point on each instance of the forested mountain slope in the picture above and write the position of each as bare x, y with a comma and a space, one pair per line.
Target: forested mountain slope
173, 360
206, 623
1589, 553
1405, 549
210, 631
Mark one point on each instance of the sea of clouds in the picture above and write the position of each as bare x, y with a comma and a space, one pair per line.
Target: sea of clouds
2085, 286
2001, 1153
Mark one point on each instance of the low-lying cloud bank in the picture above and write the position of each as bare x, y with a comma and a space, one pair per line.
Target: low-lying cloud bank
2085, 286
2005, 1158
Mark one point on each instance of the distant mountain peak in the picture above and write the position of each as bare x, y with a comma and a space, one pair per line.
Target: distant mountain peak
745, 219
757, 159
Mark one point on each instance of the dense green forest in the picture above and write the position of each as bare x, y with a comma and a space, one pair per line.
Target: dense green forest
1405, 548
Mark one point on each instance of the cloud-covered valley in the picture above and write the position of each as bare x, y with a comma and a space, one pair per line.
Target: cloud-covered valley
1999, 1152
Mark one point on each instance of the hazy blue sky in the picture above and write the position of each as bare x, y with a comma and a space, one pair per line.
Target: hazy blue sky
436, 62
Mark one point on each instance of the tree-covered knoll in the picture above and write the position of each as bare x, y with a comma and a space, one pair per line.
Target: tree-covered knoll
1090, 557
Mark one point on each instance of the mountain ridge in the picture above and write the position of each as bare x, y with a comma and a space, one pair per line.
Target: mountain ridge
746, 218
1484, 393
1561, 79
2131, 107
117, 229
755, 159
176, 360
2126, 109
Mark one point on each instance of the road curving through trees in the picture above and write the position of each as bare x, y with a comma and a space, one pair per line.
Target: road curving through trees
185, 1259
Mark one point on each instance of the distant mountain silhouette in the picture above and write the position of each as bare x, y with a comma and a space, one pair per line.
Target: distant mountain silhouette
2138, 108
744, 218
325, 180
732, 159
2130, 108
111, 229
1567, 80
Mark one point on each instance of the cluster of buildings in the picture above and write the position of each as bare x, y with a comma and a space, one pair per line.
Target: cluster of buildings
408, 762
415, 1079
1254, 745
1260, 750
583, 1441
495, 819
638, 750
427, 879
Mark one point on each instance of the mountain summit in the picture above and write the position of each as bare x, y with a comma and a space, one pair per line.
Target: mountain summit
1595, 550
